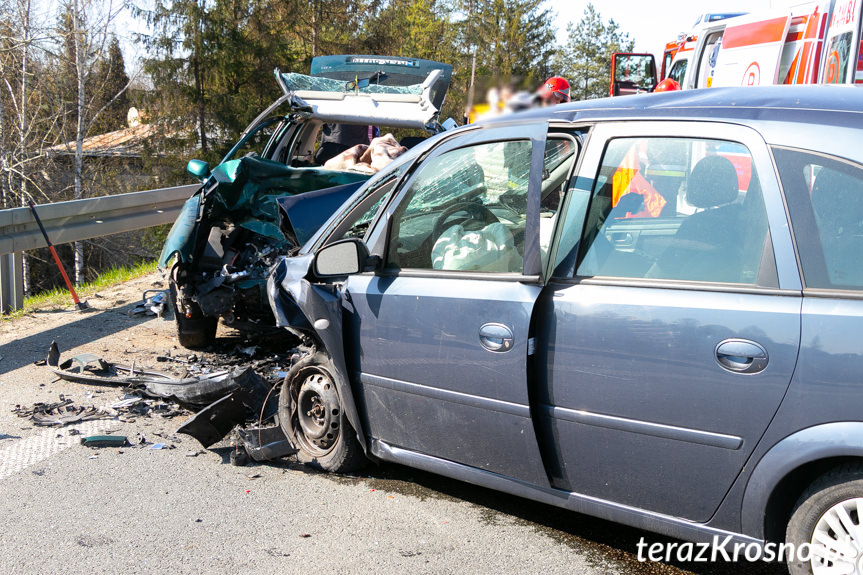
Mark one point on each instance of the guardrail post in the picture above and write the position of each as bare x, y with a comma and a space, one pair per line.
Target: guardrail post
11, 282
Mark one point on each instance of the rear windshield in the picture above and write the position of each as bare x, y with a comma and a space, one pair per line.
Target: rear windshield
294, 82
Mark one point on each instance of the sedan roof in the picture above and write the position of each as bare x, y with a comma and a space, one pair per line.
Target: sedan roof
821, 117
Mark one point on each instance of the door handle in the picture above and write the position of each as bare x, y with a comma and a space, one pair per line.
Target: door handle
496, 337
741, 356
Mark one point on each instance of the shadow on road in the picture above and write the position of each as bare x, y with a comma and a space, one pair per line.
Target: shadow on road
82, 327
601, 542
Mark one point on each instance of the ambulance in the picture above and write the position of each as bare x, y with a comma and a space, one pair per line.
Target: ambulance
813, 43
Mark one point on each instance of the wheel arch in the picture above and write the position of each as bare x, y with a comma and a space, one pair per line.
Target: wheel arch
788, 468
342, 381
320, 316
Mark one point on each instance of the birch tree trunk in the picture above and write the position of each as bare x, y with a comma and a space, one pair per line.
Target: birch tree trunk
23, 124
81, 79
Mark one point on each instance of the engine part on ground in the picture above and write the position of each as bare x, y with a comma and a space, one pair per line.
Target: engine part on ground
264, 443
151, 304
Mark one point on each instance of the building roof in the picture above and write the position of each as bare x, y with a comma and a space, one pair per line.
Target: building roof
125, 143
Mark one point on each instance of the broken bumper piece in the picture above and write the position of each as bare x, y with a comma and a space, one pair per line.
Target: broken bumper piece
226, 399
251, 400
265, 443
194, 392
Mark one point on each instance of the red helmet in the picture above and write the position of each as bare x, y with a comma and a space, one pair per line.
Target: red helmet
554, 86
667, 85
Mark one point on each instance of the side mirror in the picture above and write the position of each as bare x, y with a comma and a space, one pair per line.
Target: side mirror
632, 73
342, 258
198, 168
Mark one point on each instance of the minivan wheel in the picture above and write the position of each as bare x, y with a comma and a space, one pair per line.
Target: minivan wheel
829, 518
196, 331
310, 412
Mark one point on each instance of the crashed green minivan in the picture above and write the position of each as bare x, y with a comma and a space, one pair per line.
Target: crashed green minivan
232, 230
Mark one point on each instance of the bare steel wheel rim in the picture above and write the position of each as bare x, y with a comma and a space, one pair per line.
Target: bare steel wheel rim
837, 540
318, 411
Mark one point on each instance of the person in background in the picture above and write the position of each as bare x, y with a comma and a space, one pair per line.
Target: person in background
667, 85
553, 91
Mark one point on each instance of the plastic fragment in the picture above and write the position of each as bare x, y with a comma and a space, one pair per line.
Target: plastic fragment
104, 441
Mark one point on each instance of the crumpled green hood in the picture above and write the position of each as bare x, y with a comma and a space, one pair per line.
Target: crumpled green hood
249, 187
246, 196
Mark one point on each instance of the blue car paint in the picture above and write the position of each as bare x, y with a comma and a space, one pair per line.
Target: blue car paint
450, 383
838, 439
665, 416
304, 214
598, 433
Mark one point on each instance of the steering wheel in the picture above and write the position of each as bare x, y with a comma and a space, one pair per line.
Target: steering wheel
475, 210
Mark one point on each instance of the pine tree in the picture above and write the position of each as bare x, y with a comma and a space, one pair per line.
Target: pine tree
585, 60
514, 40
109, 85
178, 65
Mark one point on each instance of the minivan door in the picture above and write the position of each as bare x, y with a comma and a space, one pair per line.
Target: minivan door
750, 51
842, 44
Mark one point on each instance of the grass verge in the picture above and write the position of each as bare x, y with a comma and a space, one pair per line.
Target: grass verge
60, 297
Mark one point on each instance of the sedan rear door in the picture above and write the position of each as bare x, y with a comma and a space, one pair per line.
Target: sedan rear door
669, 331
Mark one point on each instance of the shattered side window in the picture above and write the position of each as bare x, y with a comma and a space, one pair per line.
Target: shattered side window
465, 211
379, 196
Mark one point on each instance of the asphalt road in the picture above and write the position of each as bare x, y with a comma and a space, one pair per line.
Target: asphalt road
182, 509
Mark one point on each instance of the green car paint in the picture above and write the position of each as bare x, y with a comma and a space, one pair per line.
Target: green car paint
245, 195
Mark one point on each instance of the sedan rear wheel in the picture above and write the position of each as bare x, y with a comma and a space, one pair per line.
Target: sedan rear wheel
829, 518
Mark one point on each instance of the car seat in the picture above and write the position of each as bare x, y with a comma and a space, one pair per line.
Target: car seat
837, 199
708, 245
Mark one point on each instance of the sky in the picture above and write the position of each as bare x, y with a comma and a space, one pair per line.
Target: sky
652, 24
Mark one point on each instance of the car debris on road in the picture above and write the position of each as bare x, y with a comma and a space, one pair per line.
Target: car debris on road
151, 305
232, 398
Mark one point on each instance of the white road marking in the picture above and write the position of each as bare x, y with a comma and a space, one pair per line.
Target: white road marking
53, 440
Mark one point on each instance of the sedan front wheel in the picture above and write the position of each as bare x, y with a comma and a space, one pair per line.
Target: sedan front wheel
311, 413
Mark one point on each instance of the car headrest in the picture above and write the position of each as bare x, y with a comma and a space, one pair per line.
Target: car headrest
712, 183
837, 199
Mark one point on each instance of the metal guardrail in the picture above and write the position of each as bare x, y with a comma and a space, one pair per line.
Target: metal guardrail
75, 221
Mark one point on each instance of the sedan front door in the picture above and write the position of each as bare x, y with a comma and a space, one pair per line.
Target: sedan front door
441, 336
